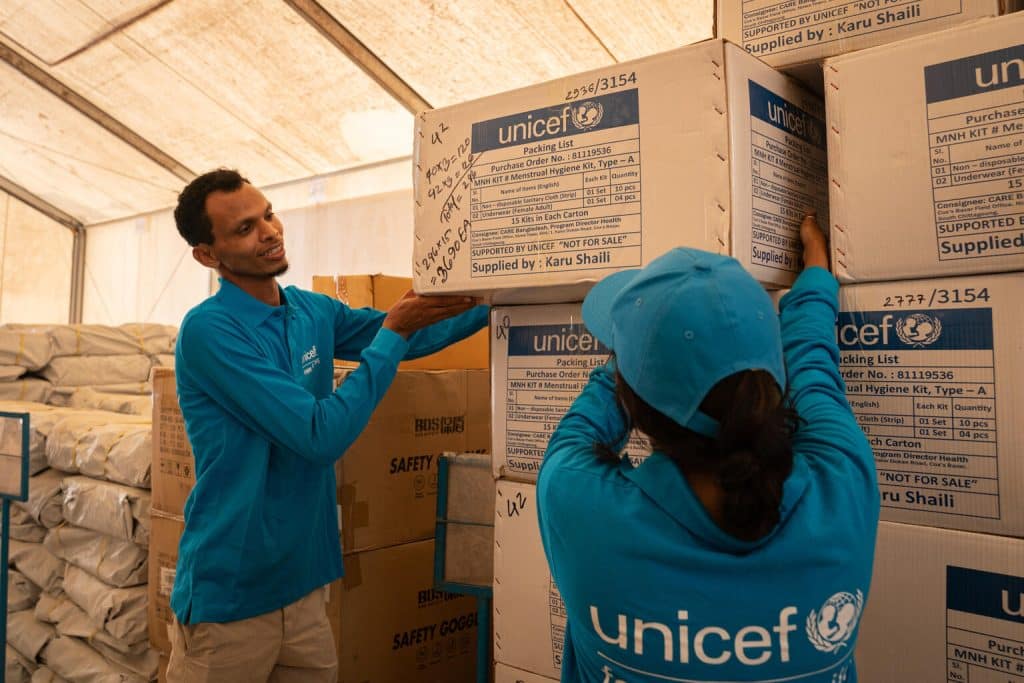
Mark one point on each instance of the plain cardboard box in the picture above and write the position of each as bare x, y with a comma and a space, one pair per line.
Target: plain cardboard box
381, 292
529, 615
389, 622
387, 479
933, 373
533, 195
173, 470
391, 625
926, 154
164, 534
507, 674
543, 356
944, 606
787, 34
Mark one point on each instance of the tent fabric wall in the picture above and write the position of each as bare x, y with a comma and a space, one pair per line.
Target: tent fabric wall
35, 265
355, 221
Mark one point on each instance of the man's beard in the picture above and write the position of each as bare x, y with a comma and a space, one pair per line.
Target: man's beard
270, 276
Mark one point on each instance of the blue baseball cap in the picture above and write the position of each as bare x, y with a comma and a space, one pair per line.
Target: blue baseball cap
686, 321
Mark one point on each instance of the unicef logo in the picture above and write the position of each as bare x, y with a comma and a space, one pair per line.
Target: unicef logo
918, 329
586, 115
829, 628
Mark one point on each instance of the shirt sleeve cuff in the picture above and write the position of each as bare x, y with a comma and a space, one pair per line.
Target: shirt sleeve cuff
391, 343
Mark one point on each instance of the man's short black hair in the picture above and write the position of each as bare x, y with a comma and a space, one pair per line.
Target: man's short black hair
190, 214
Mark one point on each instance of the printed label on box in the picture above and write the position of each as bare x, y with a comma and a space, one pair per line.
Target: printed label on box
984, 614
773, 26
557, 189
976, 145
789, 174
922, 386
547, 368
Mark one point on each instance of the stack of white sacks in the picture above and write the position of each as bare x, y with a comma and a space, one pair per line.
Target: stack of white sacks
78, 561
84, 366
526, 199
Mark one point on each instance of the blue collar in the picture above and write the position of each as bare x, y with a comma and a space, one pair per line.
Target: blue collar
247, 308
664, 483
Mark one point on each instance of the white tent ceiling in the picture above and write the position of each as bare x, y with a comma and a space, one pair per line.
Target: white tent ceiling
107, 107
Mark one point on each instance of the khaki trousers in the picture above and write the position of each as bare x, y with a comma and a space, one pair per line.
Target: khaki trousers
289, 645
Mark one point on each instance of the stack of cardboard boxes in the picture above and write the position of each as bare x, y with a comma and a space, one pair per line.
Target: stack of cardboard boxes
530, 197
389, 622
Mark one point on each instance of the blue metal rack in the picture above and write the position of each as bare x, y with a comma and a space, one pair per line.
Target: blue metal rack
483, 593
13, 486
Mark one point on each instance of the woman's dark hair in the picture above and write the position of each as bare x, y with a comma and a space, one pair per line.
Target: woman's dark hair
190, 214
750, 458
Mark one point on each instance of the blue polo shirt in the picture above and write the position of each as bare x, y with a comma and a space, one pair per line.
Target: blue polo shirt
655, 591
255, 384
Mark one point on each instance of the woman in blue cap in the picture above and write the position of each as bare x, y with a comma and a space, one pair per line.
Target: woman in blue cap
741, 549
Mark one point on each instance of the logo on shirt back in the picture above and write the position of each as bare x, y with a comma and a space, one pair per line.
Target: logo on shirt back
310, 360
830, 628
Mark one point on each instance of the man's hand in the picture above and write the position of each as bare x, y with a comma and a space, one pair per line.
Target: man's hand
414, 312
815, 246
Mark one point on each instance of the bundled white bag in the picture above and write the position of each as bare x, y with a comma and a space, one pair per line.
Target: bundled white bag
17, 669
45, 674
112, 509
45, 498
27, 635
77, 371
71, 620
121, 612
75, 661
33, 389
114, 561
120, 451
24, 528
26, 345
129, 404
38, 564
22, 594
9, 373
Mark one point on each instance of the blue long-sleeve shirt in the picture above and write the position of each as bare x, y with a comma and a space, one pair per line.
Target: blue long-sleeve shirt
255, 385
655, 591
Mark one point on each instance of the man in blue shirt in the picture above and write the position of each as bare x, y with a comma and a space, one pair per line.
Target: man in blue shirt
742, 548
254, 369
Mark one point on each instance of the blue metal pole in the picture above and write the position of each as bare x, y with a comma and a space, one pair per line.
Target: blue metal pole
3, 585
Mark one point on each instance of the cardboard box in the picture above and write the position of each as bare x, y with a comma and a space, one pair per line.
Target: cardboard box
387, 480
529, 615
173, 472
165, 533
507, 674
390, 624
786, 34
944, 606
543, 356
533, 195
381, 292
933, 372
926, 154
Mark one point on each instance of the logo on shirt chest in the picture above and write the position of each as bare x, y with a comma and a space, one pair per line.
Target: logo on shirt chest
310, 360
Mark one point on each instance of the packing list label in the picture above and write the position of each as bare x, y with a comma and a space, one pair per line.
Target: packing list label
922, 384
557, 189
778, 26
984, 626
789, 173
556, 608
976, 139
548, 366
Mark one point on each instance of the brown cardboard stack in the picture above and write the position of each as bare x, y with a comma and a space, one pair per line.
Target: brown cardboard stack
930, 337
926, 157
381, 292
389, 622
